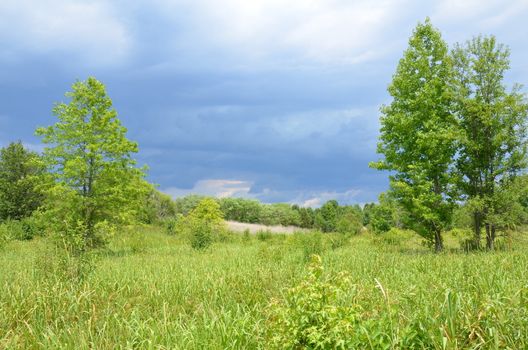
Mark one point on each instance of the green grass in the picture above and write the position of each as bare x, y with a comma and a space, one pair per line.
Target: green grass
152, 291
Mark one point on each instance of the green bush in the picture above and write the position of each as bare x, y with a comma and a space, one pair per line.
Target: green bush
394, 237
171, 224
466, 239
202, 237
24, 229
315, 314
203, 225
66, 256
55, 263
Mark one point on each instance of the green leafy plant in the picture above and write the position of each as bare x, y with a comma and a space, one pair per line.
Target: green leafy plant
203, 225
94, 177
315, 314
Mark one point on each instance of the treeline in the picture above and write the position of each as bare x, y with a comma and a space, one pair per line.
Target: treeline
454, 138
331, 217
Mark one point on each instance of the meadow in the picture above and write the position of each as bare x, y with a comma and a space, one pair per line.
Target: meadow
150, 290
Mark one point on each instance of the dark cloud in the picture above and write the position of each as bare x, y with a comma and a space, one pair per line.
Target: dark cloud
258, 101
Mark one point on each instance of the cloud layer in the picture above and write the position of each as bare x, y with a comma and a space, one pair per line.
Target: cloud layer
261, 99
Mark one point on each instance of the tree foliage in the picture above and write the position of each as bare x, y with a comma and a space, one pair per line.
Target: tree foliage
204, 224
21, 174
418, 132
492, 131
90, 159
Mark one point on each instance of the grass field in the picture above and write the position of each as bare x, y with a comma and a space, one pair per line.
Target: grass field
152, 291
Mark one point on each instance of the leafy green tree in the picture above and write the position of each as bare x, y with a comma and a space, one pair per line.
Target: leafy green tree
157, 207
493, 130
184, 205
306, 216
418, 132
204, 224
326, 217
96, 182
20, 176
241, 210
385, 214
349, 221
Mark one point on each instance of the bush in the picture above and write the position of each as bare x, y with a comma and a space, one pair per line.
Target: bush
315, 314
68, 258
171, 224
24, 229
203, 225
202, 237
466, 239
55, 263
394, 237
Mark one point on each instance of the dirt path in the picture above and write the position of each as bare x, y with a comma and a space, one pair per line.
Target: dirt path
254, 228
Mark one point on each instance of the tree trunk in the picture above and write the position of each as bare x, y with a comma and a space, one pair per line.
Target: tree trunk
490, 237
439, 243
477, 225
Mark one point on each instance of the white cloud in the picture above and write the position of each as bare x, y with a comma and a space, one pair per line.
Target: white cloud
89, 30
316, 199
213, 187
299, 31
222, 188
484, 14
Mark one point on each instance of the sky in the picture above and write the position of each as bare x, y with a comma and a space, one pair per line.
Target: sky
266, 99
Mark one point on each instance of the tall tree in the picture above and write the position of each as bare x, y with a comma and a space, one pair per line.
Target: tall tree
20, 174
91, 160
418, 133
493, 130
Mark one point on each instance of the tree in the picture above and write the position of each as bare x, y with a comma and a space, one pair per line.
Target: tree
157, 207
326, 216
493, 130
418, 133
204, 224
20, 175
384, 215
89, 156
306, 216
350, 220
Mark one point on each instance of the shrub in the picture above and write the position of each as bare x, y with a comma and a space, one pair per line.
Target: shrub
23, 229
171, 224
204, 224
315, 314
202, 237
466, 239
394, 237
68, 258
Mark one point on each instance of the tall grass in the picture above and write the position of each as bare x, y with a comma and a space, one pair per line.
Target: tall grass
150, 290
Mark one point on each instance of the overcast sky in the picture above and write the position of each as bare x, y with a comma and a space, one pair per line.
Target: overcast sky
275, 100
